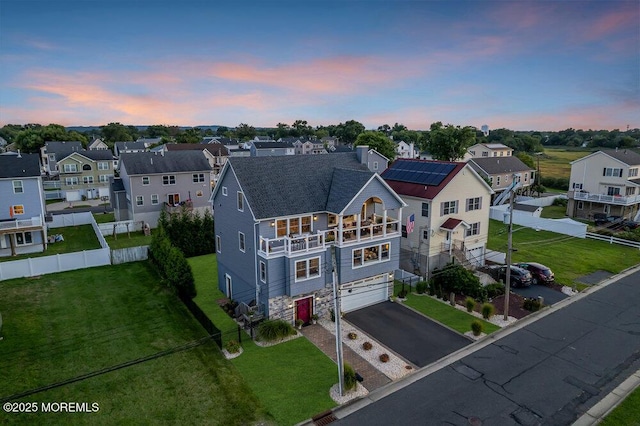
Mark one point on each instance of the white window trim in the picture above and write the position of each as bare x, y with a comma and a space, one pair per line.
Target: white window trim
147, 179
168, 180
242, 241
139, 200
24, 238
263, 271
307, 276
218, 244
102, 165
156, 200
366, 263
240, 201
224, 191
20, 185
87, 179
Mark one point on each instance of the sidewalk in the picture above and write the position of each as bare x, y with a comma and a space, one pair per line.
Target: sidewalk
326, 342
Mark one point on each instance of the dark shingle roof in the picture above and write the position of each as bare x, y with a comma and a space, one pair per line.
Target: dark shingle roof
93, 154
62, 148
627, 156
289, 185
496, 165
17, 166
214, 148
124, 146
269, 145
149, 163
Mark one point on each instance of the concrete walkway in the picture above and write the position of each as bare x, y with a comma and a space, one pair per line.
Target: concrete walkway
326, 342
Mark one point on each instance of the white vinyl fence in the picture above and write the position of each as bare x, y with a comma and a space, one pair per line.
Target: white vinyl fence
60, 262
614, 240
129, 254
564, 226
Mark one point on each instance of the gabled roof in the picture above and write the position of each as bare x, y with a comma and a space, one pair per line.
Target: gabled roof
404, 174
133, 146
274, 144
62, 148
495, 145
290, 185
216, 149
627, 156
149, 163
93, 154
525, 207
498, 165
19, 166
452, 223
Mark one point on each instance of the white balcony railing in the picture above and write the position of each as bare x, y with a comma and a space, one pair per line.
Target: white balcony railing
34, 222
608, 199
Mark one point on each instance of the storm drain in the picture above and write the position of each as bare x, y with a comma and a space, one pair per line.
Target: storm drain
324, 418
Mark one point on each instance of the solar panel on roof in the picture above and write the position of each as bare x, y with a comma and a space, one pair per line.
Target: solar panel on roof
422, 173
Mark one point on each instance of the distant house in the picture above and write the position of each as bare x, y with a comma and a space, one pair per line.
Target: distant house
270, 149
150, 182
606, 181
484, 150
86, 174
216, 153
98, 144
278, 220
54, 151
500, 171
120, 148
22, 205
449, 203
406, 150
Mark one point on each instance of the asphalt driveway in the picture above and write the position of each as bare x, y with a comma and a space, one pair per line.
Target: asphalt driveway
416, 338
550, 295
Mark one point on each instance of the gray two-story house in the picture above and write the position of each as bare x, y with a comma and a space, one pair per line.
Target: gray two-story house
22, 205
280, 220
152, 181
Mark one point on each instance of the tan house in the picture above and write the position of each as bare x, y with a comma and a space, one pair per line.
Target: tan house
607, 182
447, 213
500, 171
85, 174
485, 150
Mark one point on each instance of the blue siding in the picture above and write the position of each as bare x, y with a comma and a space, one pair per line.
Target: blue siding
31, 198
346, 272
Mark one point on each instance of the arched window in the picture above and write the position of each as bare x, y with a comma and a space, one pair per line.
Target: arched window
86, 167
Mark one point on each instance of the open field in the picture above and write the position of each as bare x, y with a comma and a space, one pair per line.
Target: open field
61, 326
555, 161
568, 257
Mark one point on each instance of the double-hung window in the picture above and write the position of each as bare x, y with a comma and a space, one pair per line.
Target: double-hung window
17, 187
448, 207
307, 269
474, 203
168, 180
474, 229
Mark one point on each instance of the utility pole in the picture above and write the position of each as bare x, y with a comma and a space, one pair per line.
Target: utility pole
336, 315
507, 278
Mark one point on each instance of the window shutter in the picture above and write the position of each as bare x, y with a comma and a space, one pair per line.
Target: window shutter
441, 209
469, 201
604, 171
480, 203
455, 207
478, 229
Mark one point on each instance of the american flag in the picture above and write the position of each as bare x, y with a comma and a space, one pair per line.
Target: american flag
411, 222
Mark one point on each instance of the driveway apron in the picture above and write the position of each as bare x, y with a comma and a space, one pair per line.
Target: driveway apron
411, 335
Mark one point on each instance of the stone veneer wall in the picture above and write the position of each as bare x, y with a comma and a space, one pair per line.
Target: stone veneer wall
279, 306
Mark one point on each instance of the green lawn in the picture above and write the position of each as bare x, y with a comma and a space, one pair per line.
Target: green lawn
76, 238
554, 212
555, 162
568, 257
292, 379
133, 239
104, 217
627, 413
60, 326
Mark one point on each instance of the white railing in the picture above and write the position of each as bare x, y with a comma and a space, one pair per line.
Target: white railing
609, 199
21, 223
614, 240
297, 244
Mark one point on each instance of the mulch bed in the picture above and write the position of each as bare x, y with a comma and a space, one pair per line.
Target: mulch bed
515, 305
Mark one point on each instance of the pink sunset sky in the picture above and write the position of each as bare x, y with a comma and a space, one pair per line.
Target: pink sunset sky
522, 65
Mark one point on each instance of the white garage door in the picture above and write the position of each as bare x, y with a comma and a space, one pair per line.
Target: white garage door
104, 192
358, 294
72, 195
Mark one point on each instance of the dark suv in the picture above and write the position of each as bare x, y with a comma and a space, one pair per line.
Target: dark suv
540, 274
601, 219
519, 277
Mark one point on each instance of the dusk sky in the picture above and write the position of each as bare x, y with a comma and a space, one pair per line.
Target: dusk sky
543, 65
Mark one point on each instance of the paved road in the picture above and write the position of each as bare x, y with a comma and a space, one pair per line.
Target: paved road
549, 372
416, 338
550, 295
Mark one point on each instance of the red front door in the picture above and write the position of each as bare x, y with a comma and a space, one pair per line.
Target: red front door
304, 308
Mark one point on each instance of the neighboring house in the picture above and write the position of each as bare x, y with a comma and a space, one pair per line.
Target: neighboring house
375, 161
279, 219
149, 142
22, 205
85, 174
150, 181
98, 144
605, 181
120, 148
484, 150
54, 151
3, 144
406, 150
215, 153
270, 149
500, 171
450, 204
304, 146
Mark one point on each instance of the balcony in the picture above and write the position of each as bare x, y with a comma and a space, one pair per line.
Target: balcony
319, 241
20, 225
606, 199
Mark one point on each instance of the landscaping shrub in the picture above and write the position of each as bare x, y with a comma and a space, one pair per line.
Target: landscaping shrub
367, 346
232, 346
432, 287
192, 233
352, 335
560, 202
476, 327
470, 303
349, 375
384, 357
402, 294
455, 278
421, 287
275, 330
171, 264
531, 304
487, 310
494, 290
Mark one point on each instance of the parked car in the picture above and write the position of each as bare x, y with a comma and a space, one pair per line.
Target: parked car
520, 277
631, 224
601, 219
540, 274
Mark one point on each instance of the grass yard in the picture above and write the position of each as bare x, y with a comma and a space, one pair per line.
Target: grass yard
104, 217
554, 212
134, 239
76, 238
555, 161
292, 379
568, 257
60, 326
625, 414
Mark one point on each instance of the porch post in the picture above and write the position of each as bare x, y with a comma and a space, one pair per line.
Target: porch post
384, 222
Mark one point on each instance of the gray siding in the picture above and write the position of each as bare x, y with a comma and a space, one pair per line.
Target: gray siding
32, 198
346, 272
375, 188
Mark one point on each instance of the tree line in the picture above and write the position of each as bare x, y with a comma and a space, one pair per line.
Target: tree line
445, 142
